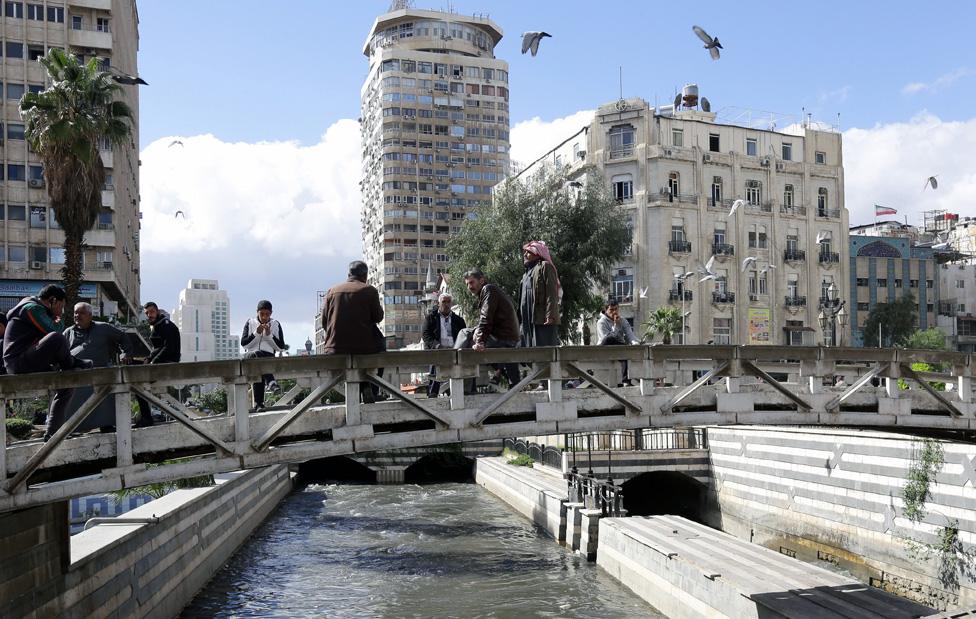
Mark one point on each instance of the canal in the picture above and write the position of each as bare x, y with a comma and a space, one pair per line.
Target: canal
443, 550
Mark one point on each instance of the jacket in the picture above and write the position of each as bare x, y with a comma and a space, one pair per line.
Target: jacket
350, 314
432, 328
496, 316
609, 333
100, 343
165, 339
254, 342
27, 323
545, 293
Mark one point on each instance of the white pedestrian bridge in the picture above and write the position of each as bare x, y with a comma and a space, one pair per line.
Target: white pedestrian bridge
674, 386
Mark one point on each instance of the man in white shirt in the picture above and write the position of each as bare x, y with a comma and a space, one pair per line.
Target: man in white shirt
262, 337
441, 327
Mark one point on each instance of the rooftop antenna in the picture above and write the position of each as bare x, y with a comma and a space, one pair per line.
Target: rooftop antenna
620, 69
400, 5
803, 116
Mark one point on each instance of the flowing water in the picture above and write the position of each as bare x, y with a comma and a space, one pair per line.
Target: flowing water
445, 550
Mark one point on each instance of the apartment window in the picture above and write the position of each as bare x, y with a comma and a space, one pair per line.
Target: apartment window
787, 151
960, 283
16, 172
678, 229
862, 282
623, 285
716, 190
38, 254
16, 253
719, 234
788, 196
752, 147
101, 24
38, 217
56, 255
757, 237
722, 281
33, 53
55, 14
793, 240
753, 192
820, 157
35, 172
674, 184
713, 143
753, 287
882, 282
14, 50
14, 9
825, 244
623, 187
928, 283
621, 141
76, 22
794, 336
35, 12
793, 286
15, 91
822, 202
722, 330
863, 307
913, 283
825, 284
15, 131
16, 212
897, 283
677, 137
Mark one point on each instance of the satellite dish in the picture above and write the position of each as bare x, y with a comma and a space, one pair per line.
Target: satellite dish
705, 105
677, 101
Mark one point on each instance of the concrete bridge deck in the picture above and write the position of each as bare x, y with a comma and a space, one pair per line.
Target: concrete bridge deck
678, 386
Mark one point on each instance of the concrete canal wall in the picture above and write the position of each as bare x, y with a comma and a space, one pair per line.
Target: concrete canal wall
834, 497
132, 570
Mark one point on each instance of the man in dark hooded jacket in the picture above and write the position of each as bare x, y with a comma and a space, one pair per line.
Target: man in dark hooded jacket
164, 337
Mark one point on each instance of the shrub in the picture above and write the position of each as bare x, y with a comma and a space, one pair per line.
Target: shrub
19, 428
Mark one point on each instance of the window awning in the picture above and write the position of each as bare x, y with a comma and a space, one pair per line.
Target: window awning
795, 328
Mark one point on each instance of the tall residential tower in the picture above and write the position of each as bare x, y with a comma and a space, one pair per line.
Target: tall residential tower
31, 253
435, 140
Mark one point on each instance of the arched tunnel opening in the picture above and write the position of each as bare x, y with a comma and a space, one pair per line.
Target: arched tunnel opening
440, 467
666, 492
336, 468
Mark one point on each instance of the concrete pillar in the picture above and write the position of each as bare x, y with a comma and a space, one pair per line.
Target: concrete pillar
964, 388
390, 475
34, 556
573, 520
589, 533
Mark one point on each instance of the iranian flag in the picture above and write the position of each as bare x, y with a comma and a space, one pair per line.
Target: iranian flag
883, 210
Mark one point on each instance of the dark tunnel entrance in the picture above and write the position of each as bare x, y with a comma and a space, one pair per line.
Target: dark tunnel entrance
440, 467
666, 492
336, 468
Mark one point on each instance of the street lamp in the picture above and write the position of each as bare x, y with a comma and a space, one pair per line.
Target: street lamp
832, 314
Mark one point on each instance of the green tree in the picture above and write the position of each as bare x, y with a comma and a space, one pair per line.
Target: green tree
584, 228
64, 124
929, 339
897, 321
665, 321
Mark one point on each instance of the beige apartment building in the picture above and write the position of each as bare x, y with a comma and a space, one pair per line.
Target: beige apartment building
435, 139
31, 254
677, 172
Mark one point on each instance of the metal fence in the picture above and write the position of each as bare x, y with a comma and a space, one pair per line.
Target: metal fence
543, 454
646, 439
596, 494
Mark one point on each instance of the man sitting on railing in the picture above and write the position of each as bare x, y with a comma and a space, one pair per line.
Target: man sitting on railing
614, 330
497, 322
33, 342
441, 326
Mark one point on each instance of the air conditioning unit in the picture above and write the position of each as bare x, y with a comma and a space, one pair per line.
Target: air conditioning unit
581, 154
37, 264
764, 161
36, 182
754, 297
706, 157
780, 166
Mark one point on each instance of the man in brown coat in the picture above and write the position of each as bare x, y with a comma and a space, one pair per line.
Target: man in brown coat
497, 325
350, 314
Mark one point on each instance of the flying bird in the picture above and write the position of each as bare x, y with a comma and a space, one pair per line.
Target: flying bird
175, 143
125, 78
931, 182
822, 236
712, 45
643, 293
177, 214
767, 268
747, 262
705, 105
706, 270
530, 41
735, 206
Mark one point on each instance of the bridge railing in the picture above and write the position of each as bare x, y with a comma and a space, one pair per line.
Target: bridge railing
643, 439
543, 454
677, 386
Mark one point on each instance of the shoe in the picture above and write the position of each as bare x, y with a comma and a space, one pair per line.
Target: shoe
82, 364
627, 383
273, 386
495, 378
541, 387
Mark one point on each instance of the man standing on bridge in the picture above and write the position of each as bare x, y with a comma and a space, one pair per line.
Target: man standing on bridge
497, 322
539, 298
350, 314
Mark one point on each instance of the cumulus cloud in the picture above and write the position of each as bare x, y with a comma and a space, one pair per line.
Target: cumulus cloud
938, 83
273, 220
888, 164
535, 137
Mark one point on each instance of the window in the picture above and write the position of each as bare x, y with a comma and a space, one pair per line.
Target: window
674, 184
752, 147
56, 255
794, 336
16, 254
928, 283
882, 282
719, 234
678, 230
38, 217
677, 137
35, 12
960, 283
722, 281
101, 24
897, 283
15, 91
788, 196
16, 172
716, 190
763, 285
793, 286
913, 283
16, 212
753, 288
793, 240
621, 141
15, 131
825, 285
825, 244
820, 157
623, 285
623, 187
822, 202
753, 192
14, 49
14, 9
76, 22
35, 172
787, 151
757, 237
55, 14
34, 52
713, 143
863, 307
38, 254
862, 282
722, 330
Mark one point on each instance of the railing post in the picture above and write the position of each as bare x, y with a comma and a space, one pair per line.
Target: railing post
3, 439
353, 410
123, 429
239, 405
555, 382
964, 381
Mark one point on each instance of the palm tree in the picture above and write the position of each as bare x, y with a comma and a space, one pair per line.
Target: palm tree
664, 320
64, 125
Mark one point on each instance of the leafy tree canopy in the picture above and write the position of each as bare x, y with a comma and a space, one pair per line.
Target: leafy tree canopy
929, 339
898, 321
586, 231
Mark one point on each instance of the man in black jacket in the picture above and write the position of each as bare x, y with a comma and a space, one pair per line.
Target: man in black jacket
164, 336
441, 327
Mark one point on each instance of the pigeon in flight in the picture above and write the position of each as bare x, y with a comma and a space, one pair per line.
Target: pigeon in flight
735, 206
179, 214
643, 293
707, 271
712, 45
822, 236
175, 143
767, 269
129, 80
931, 182
747, 262
530, 41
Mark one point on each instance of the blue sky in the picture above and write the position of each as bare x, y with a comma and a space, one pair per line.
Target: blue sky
265, 95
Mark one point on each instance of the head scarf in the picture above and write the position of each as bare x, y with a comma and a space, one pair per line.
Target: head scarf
540, 249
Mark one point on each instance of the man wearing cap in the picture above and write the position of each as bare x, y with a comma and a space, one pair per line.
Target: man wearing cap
262, 337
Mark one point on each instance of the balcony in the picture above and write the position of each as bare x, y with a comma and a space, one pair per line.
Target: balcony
794, 255
620, 153
675, 295
723, 297
765, 207
719, 204
723, 249
829, 213
679, 247
827, 257
667, 196
89, 38
793, 211
796, 301
101, 5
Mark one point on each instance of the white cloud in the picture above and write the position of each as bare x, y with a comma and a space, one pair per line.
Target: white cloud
535, 137
888, 165
938, 83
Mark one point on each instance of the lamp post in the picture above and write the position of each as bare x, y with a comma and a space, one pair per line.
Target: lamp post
832, 315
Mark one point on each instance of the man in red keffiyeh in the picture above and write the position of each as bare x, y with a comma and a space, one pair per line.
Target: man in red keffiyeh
540, 296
